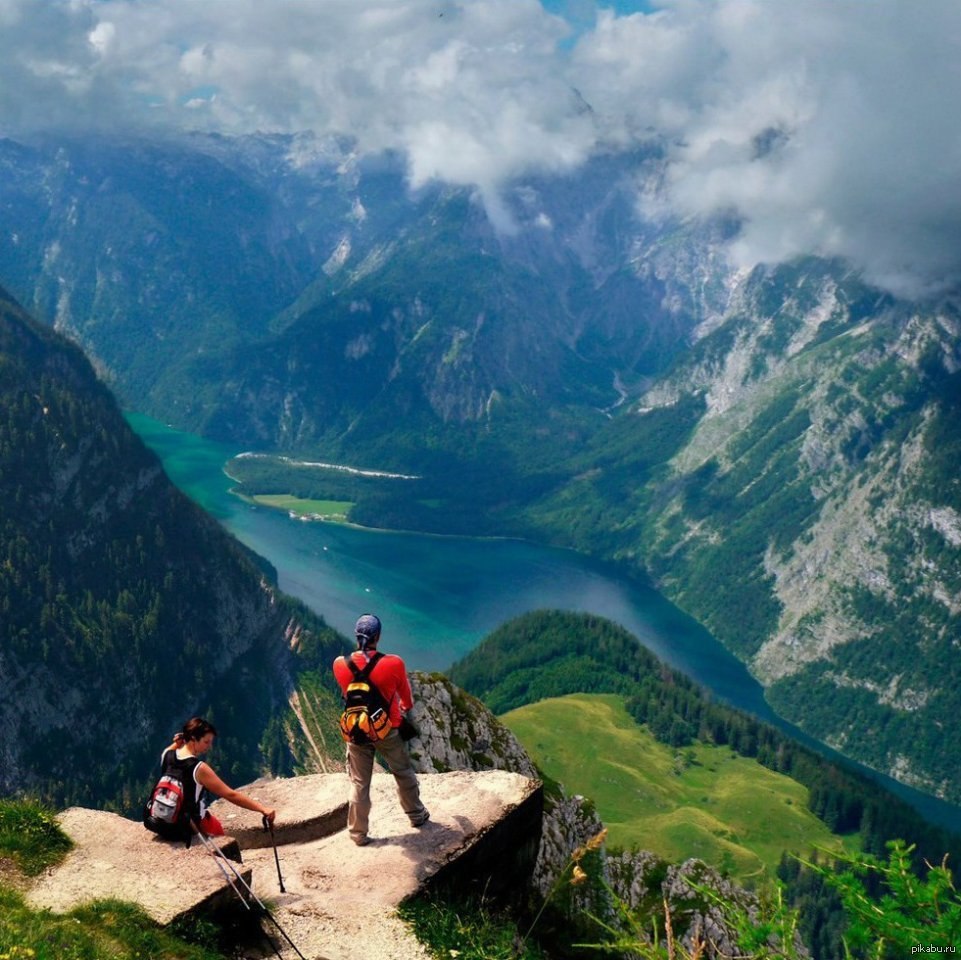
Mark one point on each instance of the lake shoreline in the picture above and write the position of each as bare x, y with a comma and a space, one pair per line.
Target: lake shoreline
921, 799
402, 531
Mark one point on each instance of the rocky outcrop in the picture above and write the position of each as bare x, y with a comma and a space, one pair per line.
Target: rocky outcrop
117, 858
483, 831
644, 882
458, 732
569, 823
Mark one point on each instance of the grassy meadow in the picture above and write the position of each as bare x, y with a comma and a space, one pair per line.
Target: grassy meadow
699, 801
327, 509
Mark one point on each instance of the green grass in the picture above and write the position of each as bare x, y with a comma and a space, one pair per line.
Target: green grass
29, 836
107, 928
328, 509
467, 930
703, 801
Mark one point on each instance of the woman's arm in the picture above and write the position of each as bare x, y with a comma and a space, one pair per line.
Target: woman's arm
207, 778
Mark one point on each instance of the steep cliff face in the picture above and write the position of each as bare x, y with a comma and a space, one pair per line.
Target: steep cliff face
457, 732
807, 508
125, 608
861, 561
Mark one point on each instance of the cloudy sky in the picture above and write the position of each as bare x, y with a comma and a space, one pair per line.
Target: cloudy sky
831, 126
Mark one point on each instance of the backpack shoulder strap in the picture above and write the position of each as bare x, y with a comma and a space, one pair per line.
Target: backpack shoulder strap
185, 770
363, 673
354, 669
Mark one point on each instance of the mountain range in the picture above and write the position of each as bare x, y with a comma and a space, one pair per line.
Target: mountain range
126, 609
777, 450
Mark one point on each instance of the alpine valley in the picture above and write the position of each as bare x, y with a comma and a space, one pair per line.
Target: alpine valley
776, 450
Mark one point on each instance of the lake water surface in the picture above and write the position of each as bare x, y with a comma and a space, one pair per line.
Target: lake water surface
439, 596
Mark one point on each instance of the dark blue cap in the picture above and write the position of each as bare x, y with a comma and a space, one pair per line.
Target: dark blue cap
367, 629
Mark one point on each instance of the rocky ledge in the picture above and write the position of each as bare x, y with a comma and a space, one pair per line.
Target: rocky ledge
484, 831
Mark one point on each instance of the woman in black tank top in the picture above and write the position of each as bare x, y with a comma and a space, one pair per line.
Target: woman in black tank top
185, 754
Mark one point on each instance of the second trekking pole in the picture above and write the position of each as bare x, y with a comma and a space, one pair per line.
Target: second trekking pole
269, 827
249, 897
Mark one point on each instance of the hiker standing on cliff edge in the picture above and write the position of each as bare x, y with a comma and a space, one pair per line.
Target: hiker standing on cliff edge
388, 674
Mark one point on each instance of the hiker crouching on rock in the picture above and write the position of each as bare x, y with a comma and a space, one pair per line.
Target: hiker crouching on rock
183, 757
388, 675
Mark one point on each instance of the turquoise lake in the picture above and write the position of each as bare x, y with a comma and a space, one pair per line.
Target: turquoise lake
439, 596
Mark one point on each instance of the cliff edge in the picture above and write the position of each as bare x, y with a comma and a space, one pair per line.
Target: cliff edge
484, 831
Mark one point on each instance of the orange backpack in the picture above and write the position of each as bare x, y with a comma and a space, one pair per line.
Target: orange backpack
366, 716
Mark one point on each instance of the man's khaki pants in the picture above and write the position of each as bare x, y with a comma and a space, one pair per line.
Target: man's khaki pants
360, 768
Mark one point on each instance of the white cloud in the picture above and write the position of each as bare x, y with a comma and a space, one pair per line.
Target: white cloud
101, 36
831, 126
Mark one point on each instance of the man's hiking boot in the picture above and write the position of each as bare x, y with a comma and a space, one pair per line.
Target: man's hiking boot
361, 839
421, 820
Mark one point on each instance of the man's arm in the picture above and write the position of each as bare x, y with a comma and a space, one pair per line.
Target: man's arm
404, 694
341, 673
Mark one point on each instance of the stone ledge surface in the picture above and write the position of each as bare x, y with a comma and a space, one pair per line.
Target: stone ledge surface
308, 808
337, 895
118, 858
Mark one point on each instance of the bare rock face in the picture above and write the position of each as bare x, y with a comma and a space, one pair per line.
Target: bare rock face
569, 823
458, 732
484, 830
642, 881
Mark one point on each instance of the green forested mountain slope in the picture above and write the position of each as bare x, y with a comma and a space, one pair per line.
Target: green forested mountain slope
291, 296
124, 607
545, 657
448, 333
549, 654
147, 254
794, 484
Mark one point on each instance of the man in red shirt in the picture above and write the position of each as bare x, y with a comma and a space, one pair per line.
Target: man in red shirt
389, 675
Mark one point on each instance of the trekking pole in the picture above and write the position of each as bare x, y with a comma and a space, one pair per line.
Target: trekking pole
269, 827
229, 879
220, 859
214, 851
217, 852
